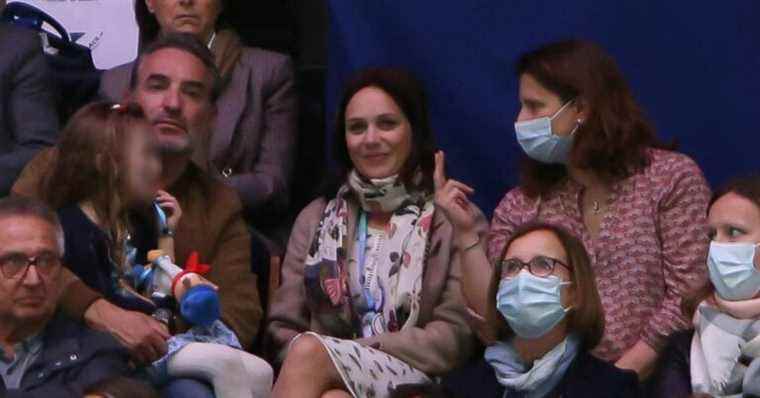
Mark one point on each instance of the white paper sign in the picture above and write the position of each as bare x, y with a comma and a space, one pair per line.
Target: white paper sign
107, 27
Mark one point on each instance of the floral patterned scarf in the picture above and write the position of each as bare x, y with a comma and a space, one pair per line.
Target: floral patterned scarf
398, 283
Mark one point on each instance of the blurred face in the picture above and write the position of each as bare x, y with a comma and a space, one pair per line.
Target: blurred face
735, 219
174, 89
543, 243
143, 166
196, 17
31, 296
378, 135
536, 101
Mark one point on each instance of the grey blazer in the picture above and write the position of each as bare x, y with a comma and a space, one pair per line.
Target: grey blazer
253, 143
28, 120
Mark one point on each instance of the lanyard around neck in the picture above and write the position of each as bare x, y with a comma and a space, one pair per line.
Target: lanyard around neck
369, 277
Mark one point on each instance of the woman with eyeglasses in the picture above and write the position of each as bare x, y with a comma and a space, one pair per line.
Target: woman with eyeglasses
721, 356
595, 166
545, 314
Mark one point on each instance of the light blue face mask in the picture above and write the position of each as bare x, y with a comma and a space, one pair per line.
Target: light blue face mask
536, 138
732, 270
531, 305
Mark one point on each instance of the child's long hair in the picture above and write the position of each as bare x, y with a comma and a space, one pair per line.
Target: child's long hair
88, 165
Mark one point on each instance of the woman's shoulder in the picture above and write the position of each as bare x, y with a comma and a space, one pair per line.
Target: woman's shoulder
314, 209
73, 220
670, 164
516, 203
516, 197
311, 214
84, 242
671, 173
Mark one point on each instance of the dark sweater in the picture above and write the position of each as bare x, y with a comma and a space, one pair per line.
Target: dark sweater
72, 358
587, 377
672, 378
88, 256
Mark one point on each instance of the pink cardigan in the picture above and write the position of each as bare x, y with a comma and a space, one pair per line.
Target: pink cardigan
651, 248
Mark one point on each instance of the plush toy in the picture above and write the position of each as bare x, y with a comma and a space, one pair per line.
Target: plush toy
168, 285
208, 349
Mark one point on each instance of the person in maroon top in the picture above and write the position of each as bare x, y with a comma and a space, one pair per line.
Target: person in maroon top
596, 168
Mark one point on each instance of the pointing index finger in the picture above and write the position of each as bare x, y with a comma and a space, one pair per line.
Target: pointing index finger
439, 175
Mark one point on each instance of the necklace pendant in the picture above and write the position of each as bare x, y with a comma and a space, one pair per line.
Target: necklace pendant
596, 207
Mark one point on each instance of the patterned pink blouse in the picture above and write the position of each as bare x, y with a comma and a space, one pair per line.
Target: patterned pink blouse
650, 251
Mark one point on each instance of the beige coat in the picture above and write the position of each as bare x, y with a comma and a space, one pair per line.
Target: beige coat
441, 341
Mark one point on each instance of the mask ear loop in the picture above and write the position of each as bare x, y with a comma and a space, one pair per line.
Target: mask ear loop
562, 108
578, 121
563, 284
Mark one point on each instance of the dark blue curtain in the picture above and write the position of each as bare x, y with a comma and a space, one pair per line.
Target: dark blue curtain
693, 65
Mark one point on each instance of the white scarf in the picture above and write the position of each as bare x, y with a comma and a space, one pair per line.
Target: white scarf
719, 342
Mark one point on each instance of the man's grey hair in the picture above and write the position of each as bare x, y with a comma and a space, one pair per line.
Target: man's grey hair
18, 206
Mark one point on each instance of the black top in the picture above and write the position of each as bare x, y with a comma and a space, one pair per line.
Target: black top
587, 377
88, 256
672, 378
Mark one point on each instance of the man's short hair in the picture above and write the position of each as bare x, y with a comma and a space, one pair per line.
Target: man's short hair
189, 44
19, 206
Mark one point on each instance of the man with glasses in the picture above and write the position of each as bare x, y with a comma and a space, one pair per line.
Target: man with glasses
42, 353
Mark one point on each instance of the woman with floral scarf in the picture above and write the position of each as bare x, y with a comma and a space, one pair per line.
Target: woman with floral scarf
371, 296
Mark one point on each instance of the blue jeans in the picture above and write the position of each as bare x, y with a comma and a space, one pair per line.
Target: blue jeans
187, 388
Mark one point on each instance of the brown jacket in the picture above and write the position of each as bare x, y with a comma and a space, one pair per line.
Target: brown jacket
442, 339
256, 125
211, 224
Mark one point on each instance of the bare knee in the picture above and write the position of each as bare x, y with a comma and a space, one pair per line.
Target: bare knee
307, 350
336, 394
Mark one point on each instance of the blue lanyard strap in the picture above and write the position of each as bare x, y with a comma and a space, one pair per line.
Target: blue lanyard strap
362, 258
163, 226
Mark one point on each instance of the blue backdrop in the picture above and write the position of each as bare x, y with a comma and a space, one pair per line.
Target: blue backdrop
693, 65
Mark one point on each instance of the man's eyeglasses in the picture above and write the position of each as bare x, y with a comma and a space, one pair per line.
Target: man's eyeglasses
540, 266
16, 265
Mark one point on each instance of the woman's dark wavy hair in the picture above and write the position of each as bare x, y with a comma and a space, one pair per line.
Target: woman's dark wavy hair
407, 92
614, 138
149, 27
748, 187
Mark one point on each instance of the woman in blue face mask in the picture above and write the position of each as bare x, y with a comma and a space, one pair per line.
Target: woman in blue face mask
595, 166
720, 356
545, 315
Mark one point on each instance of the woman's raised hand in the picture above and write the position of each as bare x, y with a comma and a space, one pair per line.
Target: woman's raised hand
452, 197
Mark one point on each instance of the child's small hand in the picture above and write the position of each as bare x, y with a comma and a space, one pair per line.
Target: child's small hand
172, 208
